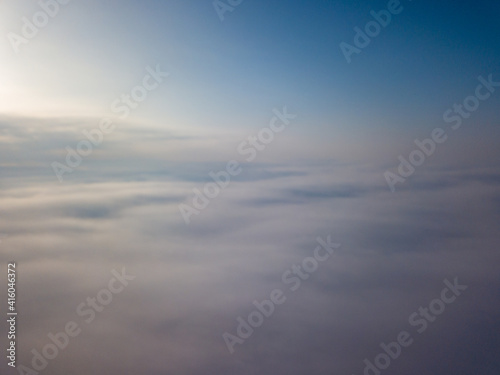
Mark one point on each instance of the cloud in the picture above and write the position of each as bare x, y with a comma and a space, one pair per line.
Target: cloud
192, 282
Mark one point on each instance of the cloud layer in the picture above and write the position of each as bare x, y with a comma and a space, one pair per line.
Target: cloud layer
120, 209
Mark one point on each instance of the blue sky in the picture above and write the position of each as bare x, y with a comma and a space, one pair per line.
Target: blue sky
264, 54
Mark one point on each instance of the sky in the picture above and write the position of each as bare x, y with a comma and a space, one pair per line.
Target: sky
115, 116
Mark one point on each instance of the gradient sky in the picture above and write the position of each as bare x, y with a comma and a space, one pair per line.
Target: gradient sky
263, 54
323, 176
